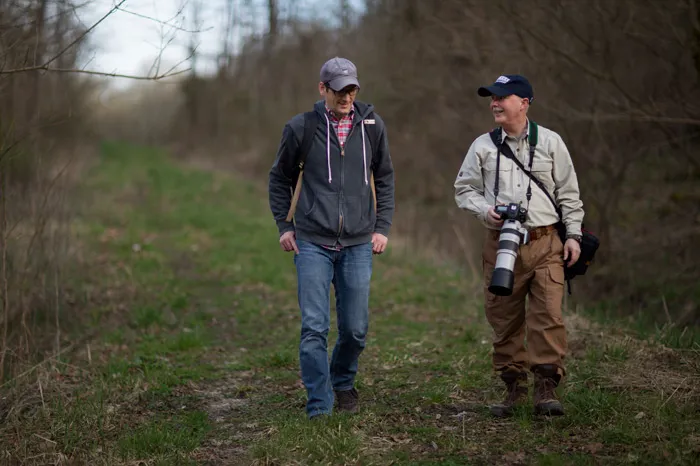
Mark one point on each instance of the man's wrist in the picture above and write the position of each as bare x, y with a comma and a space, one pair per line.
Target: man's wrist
285, 227
574, 236
484, 214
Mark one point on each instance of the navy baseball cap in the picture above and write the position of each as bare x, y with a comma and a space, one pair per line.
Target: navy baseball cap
339, 73
508, 84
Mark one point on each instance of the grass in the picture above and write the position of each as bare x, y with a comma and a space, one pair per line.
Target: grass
169, 439
655, 324
195, 356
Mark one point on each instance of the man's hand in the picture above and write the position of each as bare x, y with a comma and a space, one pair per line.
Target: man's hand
493, 219
572, 250
288, 242
379, 243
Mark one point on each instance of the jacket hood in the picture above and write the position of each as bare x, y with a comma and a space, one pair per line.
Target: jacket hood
362, 109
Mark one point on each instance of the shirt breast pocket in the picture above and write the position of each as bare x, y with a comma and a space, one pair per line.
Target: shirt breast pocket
542, 169
505, 168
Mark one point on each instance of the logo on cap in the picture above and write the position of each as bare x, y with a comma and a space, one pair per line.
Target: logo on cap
502, 80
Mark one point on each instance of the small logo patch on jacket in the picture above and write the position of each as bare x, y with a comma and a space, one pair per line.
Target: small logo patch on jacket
369, 121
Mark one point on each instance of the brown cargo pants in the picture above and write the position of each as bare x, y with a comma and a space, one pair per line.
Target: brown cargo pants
539, 277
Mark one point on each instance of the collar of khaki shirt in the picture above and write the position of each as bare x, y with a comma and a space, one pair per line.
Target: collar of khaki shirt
523, 135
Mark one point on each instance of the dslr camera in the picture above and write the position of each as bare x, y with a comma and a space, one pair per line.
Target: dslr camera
513, 234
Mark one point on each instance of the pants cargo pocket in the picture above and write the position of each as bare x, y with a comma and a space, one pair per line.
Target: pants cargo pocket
554, 291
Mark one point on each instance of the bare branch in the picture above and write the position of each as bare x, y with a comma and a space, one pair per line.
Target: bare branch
169, 72
86, 32
155, 77
566, 56
165, 23
17, 25
98, 73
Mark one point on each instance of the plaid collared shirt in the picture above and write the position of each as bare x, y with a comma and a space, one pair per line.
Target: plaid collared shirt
341, 126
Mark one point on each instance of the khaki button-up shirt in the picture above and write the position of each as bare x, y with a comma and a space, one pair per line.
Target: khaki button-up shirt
552, 165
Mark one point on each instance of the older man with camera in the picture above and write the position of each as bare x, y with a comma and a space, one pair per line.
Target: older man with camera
520, 182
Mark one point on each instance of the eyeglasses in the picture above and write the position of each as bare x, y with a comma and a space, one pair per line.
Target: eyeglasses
352, 92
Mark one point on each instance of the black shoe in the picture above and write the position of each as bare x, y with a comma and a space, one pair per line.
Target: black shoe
346, 400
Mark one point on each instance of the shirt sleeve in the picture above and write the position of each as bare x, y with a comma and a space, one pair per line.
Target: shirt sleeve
566, 187
280, 179
384, 183
469, 186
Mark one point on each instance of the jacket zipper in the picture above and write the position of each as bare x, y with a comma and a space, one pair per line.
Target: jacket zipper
340, 197
342, 181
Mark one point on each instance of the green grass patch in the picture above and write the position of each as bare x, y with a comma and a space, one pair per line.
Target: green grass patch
165, 439
197, 354
333, 441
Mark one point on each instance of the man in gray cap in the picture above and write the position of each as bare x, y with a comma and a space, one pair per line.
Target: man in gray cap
488, 178
331, 193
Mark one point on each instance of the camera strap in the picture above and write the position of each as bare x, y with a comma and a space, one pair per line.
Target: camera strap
503, 147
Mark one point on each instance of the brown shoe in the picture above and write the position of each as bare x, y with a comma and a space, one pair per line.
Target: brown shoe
516, 388
346, 400
545, 397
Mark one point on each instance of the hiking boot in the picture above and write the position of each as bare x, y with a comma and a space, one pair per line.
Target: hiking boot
545, 397
347, 400
516, 393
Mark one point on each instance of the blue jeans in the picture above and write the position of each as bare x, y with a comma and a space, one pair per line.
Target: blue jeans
349, 270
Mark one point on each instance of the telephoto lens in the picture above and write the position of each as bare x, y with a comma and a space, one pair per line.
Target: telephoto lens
512, 235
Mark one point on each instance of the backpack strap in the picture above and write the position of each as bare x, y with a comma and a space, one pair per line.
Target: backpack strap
311, 121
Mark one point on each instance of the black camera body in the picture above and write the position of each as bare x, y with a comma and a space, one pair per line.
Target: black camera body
512, 211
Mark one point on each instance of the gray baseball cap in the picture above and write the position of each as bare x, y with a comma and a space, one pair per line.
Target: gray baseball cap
339, 73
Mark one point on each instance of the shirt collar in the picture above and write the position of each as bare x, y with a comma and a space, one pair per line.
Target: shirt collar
332, 114
522, 136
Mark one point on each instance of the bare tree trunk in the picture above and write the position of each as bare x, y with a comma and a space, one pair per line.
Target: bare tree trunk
345, 14
5, 301
695, 21
225, 58
192, 49
192, 86
273, 19
34, 103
